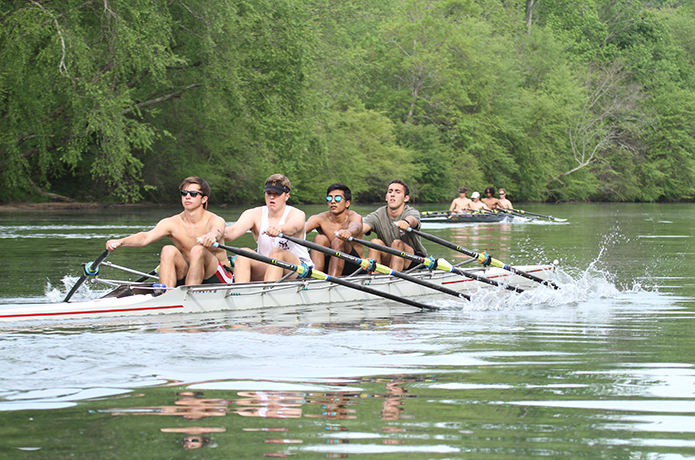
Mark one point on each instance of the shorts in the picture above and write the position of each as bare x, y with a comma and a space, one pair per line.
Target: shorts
349, 268
223, 275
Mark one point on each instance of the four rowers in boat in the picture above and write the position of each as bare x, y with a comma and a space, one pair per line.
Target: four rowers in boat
187, 262
462, 204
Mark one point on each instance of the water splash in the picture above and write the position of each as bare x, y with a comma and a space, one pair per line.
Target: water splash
87, 291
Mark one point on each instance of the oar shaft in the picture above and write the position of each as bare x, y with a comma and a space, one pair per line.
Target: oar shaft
305, 271
90, 269
521, 211
439, 264
364, 263
483, 258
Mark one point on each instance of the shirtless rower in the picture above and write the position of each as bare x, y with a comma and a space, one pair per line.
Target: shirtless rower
266, 223
187, 262
489, 200
478, 205
341, 220
504, 202
462, 203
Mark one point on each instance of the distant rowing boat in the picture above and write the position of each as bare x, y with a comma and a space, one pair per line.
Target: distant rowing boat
467, 218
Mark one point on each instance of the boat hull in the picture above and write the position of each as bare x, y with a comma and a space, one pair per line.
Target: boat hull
137, 299
467, 218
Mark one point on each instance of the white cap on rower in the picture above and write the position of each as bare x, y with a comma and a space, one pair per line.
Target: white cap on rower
475, 195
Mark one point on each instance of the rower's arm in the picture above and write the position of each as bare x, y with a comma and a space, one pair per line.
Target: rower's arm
244, 224
294, 224
141, 239
312, 223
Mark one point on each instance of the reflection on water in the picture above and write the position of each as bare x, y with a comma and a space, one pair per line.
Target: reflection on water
273, 406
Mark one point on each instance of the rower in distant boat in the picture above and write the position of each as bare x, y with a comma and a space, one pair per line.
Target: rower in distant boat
478, 205
462, 203
340, 220
490, 201
187, 262
504, 202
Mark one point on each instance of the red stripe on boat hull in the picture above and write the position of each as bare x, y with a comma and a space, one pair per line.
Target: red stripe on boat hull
91, 312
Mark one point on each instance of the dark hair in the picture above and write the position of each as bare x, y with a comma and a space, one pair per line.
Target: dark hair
405, 187
204, 186
343, 188
202, 183
491, 190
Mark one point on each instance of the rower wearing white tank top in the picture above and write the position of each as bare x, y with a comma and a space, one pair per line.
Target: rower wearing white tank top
266, 223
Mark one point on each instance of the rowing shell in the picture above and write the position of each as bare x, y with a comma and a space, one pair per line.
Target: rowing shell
466, 218
138, 299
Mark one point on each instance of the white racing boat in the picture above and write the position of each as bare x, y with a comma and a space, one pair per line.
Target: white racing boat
140, 299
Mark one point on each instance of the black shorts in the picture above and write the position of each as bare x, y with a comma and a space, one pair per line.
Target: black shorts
349, 268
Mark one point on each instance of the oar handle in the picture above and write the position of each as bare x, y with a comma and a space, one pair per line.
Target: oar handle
305, 271
395, 252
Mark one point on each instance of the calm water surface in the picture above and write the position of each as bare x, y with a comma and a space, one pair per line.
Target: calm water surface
602, 368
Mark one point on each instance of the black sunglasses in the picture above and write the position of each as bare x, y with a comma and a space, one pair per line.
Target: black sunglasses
193, 193
337, 199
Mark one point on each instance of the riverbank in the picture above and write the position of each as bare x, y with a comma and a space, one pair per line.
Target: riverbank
63, 206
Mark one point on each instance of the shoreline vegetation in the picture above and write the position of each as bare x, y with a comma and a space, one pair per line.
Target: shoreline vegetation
554, 101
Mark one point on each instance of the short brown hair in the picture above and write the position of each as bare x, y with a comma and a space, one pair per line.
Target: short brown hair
200, 182
400, 182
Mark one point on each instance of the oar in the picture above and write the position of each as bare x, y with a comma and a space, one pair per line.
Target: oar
480, 211
436, 213
516, 214
556, 219
483, 258
304, 271
370, 265
435, 264
90, 269
143, 276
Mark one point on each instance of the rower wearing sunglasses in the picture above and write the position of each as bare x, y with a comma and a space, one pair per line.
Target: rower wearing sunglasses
186, 261
340, 220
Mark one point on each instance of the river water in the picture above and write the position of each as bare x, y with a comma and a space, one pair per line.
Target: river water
602, 368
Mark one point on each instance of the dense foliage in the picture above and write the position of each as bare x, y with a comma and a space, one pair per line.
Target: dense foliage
121, 99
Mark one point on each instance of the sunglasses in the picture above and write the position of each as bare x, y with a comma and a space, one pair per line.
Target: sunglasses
502, 193
193, 193
337, 199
